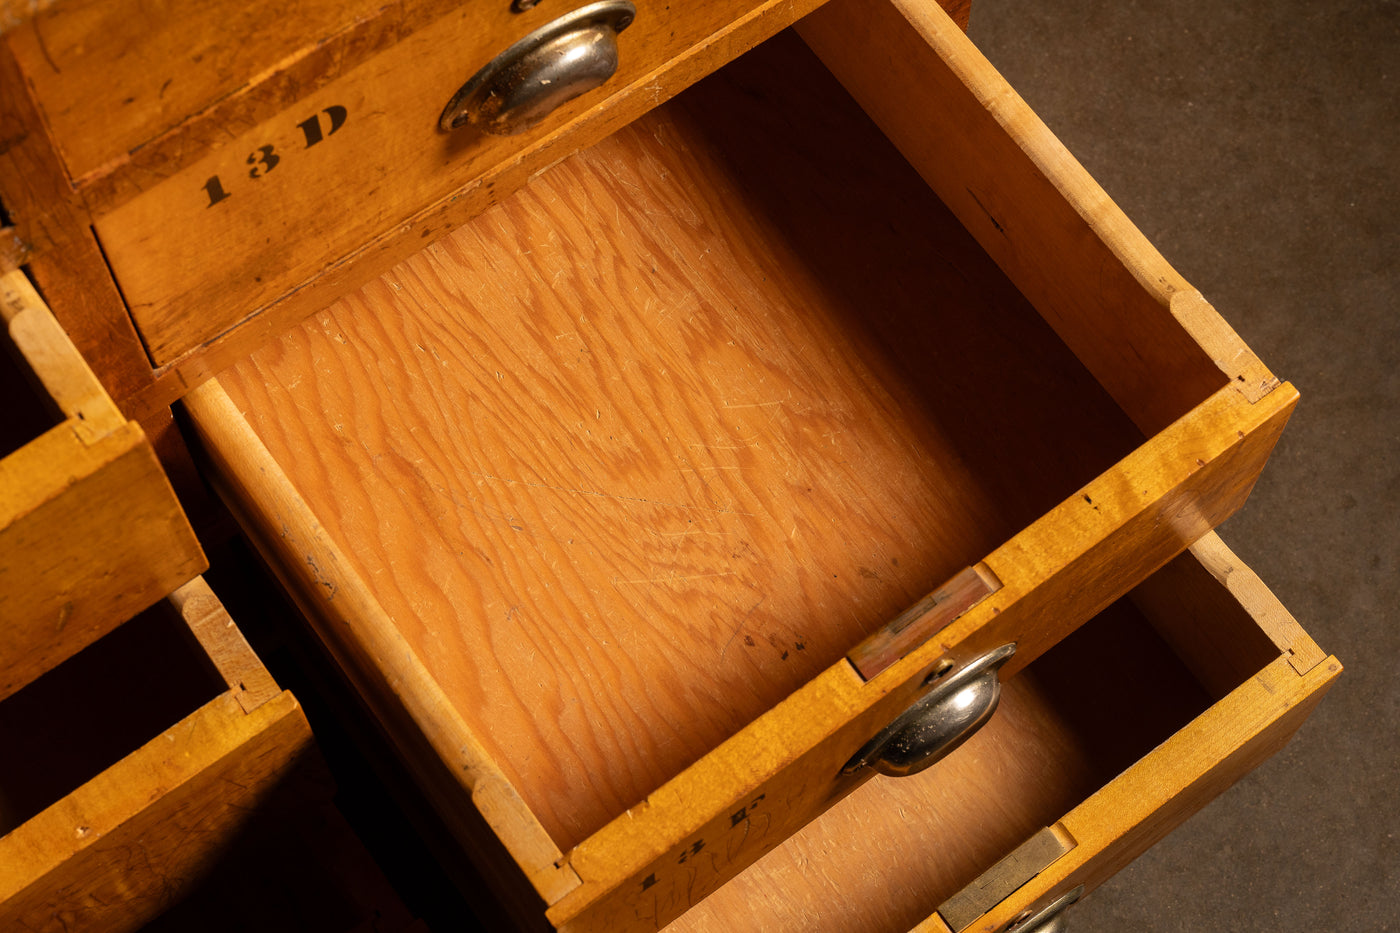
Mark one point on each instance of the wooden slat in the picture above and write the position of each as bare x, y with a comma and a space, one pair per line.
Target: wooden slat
1195, 766
61, 252
54, 360
1143, 331
213, 628
114, 853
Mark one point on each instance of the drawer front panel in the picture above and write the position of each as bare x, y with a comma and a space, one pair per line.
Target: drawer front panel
347, 169
111, 77
639, 871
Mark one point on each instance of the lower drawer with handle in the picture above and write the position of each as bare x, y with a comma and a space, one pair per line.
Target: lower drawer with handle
1099, 749
90, 529
638, 505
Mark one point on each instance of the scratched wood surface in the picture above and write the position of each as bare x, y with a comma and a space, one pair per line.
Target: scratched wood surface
666, 434
112, 76
1146, 334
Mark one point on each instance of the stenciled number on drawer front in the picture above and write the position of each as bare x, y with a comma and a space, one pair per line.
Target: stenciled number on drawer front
264, 159
737, 819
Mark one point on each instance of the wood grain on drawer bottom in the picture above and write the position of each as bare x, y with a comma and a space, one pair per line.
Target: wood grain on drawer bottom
599, 491
713, 442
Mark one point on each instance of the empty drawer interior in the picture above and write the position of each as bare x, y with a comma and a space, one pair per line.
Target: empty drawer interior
654, 441
27, 411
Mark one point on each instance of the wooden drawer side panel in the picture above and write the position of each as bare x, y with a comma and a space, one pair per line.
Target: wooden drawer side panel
110, 77
1143, 331
384, 181
373, 654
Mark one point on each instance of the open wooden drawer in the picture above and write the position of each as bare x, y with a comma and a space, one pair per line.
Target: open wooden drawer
128, 769
90, 531
606, 501
1100, 748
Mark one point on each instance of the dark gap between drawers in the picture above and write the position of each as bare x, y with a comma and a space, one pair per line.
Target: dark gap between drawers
26, 410
92, 710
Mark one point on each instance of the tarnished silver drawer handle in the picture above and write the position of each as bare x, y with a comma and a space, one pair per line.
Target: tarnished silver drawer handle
938, 722
551, 66
1049, 919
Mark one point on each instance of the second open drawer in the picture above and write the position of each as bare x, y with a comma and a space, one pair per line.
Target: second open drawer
606, 501
1098, 750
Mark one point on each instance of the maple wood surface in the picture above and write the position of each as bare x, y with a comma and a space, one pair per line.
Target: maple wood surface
298, 210
110, 77
667, 433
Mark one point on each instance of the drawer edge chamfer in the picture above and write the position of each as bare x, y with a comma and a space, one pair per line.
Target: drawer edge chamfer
1141, 806
218, 757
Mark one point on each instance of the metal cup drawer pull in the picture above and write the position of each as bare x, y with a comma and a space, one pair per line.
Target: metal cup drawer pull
551, 66
938, 722
1050, 918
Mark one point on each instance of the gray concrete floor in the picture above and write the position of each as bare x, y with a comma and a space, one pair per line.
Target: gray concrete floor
1258, 146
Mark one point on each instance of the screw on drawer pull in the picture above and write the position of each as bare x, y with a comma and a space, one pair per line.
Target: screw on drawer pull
551, 66
938, 722
1049, 919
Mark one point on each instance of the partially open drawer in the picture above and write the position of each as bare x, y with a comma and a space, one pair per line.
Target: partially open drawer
1100, 748
90, 531
127, 770
614, 503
